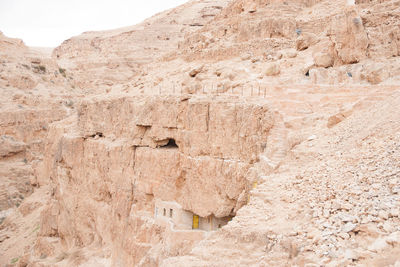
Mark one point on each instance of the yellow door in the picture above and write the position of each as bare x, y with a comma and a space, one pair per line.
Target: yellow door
195, 222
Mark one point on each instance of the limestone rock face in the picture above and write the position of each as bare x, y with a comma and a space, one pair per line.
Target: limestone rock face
323, 60
31, 98
305, 40
104, 58
241, 35
299, 206
349, 36
10, 146
119, 162
218, 133
25, 68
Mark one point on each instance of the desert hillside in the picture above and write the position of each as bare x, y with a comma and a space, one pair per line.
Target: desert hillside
217, 133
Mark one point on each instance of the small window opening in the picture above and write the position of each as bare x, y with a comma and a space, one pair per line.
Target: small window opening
171, 213
307, 73
165, 213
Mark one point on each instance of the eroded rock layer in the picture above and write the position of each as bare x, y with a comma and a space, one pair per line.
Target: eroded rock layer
116, 161
218, 133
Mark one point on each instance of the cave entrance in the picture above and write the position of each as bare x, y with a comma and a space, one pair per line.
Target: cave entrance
171, 144
187, 220
211, 223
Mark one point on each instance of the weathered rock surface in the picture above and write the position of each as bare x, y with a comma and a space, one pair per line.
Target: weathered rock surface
32, 97
9, 146
280, 114
329, 202
120, 168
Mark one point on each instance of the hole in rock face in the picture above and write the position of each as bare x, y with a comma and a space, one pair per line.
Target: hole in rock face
210, 223
97, 134
307, 73
171, 144
182, 219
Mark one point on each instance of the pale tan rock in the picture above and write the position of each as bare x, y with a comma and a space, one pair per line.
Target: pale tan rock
393, 239
305, 40
335, 119
196, 71
375, 75
291, 53
323, 60
351, 255
272, 69
201, 151
9, 146
378, 245
114, 124
349, 36
22, 82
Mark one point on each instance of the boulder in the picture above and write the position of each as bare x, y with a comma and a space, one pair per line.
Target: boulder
305, 40
349, 36
9, 146
335, 119
196, 71
273, 69
290, 53
324, 60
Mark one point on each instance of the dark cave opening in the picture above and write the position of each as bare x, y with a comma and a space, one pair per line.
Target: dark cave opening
171, 144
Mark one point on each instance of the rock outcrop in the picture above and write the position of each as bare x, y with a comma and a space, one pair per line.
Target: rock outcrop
335, 206
117, 164
245, 132
33, 95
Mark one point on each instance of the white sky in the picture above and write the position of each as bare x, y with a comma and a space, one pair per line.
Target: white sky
49, 22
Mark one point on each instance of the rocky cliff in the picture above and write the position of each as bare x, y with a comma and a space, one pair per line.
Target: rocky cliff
246, 132
116, 162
